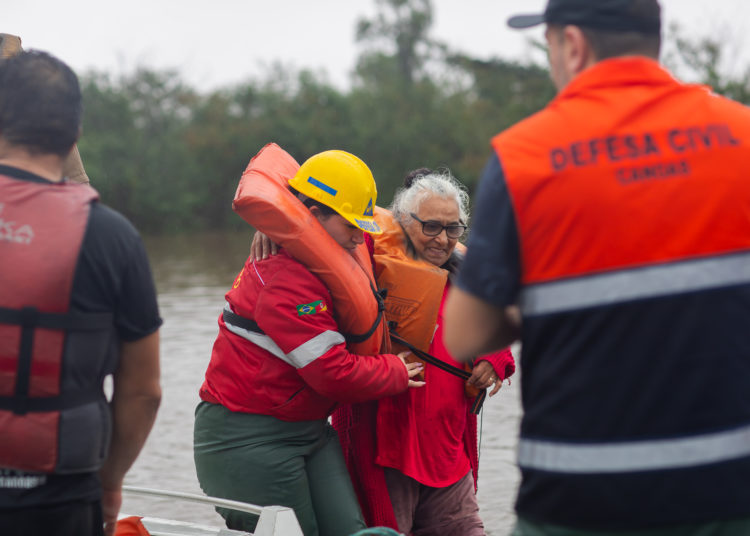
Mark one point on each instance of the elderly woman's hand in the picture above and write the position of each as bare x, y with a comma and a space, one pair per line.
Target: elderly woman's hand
483, 376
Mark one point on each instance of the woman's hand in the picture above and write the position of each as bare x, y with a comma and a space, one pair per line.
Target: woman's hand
412, 369
483, 376
262, 247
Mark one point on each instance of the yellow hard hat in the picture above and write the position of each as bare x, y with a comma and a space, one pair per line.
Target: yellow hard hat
342, 182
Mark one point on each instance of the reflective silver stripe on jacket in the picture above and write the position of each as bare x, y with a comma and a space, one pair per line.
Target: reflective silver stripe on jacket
303, 355
637, 283
636, 455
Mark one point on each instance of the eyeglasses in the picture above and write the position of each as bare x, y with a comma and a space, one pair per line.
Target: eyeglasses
434, 228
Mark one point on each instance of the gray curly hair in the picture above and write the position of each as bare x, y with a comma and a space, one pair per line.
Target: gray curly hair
423, 183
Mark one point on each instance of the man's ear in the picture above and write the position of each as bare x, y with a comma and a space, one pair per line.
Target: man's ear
578, 55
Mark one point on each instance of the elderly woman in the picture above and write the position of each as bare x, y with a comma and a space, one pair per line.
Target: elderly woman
418, 454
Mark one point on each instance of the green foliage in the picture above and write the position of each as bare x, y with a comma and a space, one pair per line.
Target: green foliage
703, 58
170, 158
404, 25
134, 148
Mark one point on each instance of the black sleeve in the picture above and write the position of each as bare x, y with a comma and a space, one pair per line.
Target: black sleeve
492, 268
114, 275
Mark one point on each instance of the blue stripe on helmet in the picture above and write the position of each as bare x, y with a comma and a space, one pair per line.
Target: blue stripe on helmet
327, 189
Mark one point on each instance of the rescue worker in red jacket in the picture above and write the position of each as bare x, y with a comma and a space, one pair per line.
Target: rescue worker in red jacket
616, 221
280, 365
77, 303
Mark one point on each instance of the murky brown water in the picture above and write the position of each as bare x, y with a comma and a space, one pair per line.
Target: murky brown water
192, 274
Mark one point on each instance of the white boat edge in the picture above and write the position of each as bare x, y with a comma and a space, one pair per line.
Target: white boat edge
274, 520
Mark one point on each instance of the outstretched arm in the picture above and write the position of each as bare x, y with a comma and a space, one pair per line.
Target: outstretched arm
474, 327
135, 400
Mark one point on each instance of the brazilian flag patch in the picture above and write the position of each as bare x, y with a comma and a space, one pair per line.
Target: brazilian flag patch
311, 308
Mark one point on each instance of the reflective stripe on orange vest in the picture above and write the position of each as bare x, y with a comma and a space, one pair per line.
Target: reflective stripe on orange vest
638, 283
673, 453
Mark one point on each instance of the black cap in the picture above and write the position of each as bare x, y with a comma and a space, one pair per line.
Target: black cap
613, 15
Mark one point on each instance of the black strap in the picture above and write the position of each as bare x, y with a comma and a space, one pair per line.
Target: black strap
28, 321
50, 403
70, 321
30, 318
232, 318
478, 401
432, 360
354, 338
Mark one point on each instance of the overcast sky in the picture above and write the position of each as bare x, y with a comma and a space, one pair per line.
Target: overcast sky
217, 43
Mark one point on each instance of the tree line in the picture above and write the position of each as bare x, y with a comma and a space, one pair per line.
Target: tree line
170, 157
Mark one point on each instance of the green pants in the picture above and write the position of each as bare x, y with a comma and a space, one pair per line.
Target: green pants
737, 527
266, 461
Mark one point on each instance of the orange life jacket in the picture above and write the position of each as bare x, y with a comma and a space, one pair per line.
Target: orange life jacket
131, 526
414, 289
264, 200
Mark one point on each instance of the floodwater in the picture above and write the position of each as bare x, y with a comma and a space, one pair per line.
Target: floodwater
192, 274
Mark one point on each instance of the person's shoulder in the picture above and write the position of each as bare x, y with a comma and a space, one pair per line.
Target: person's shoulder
545, 122
109, 230
110, 220
283, 269
721, 110
737, 109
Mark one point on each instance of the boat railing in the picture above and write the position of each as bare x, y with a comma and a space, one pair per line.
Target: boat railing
274, 520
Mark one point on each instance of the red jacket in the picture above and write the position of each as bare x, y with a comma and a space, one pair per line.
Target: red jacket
291, 364
429, 434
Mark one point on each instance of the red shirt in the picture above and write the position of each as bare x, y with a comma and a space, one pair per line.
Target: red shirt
422, 432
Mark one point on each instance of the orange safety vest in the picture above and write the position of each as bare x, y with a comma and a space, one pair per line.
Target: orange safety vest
631, 198
264, 200
553, 174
